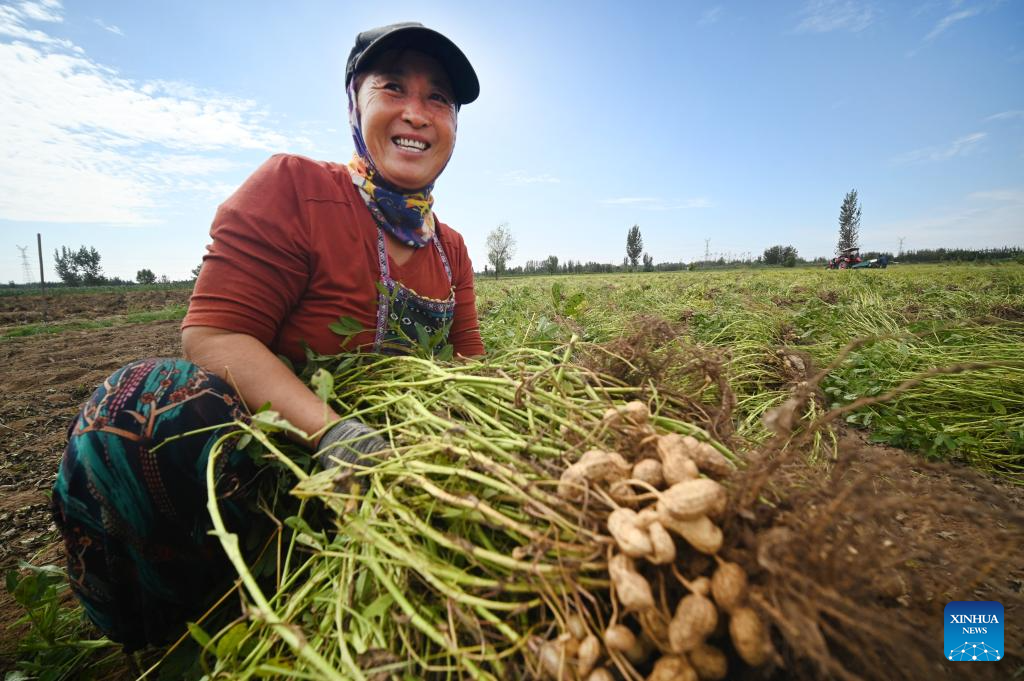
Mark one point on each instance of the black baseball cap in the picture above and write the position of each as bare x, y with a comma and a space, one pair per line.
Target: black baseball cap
416, 36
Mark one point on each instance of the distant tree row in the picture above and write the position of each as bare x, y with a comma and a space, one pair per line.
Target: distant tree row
82, 268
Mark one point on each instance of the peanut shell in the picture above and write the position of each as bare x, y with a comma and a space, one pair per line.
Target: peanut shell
619, 637
649, 470
663, 549
672, 668
695, 618
692, 498
749, 637
632, 540
633, 590
711, 461
600, 674
729, 586
701, 533
588, 654
709, 662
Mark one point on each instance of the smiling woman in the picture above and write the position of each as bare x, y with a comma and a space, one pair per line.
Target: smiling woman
301, 244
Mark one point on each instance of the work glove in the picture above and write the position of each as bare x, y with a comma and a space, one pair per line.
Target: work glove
349, 442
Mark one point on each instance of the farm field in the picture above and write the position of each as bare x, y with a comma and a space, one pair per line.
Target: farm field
718, 349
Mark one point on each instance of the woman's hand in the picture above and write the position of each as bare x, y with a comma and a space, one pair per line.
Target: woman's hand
259, 377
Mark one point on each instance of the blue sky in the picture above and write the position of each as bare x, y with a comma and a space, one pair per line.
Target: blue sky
123, 125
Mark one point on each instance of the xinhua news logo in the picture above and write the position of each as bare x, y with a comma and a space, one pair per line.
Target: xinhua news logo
973, 631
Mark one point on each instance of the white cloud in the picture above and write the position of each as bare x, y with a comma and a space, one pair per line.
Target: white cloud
626, 200
958, 147
711, 16
652, 203
521, 177
84, 144
959, 225
1001, 195
1006, 115
108, 27
824, 16
12, 24
45, 10
950, 19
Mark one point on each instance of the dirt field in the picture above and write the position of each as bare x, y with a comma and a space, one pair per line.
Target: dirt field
71, 306
45, 378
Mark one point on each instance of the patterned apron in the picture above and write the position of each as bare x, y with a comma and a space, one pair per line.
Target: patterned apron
399, 307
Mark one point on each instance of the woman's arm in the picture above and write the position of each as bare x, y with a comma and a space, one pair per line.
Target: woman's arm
258, 375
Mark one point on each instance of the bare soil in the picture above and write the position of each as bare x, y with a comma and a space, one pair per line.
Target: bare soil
70, 306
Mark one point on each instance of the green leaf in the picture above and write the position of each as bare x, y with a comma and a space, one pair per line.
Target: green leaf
447, 353
346, 326
270, 421
228, 643
323, 384
198, 634
422, 338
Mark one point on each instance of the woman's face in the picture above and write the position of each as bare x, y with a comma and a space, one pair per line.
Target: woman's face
407, 115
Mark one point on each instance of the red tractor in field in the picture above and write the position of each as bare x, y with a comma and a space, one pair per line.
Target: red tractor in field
849, 258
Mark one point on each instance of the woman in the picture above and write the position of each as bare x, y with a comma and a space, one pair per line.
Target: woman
299, 245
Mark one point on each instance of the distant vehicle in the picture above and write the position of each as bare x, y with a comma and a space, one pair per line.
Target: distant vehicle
881, 262
850, 258
847, 258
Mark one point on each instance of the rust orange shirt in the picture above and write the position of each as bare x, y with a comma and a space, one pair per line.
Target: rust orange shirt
295, 248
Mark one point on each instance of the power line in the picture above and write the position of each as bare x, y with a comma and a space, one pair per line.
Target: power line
26, 269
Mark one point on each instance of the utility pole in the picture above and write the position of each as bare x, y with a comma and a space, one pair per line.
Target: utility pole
902, 239
707, 242
42, 278
26, 269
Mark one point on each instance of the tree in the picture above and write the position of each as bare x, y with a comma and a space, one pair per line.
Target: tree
501, 246
780, 255
145, 276
849, 223
648, 263
195, 271
634, 245
78, 267
67, 270
551, 264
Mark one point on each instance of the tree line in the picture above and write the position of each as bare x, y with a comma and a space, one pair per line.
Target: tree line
82, 267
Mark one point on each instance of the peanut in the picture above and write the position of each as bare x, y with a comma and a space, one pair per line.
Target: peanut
729, 586
709, 662
624, 528
692, 498
672, 668
695, 618
749, 637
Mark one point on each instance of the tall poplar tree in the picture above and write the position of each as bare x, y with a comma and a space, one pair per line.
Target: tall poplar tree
634, 245
849, 223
